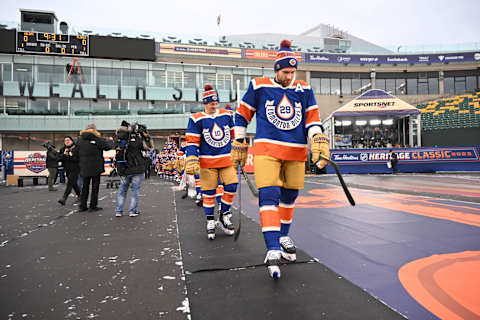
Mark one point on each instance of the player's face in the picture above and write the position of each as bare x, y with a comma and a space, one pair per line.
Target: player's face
211, 107
285, 76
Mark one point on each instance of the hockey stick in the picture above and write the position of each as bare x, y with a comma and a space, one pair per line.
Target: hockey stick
249, 183
339, 175
186, 192
237, 233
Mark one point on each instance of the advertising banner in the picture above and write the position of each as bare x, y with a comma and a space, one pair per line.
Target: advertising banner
33, 163
194, 50
392, 59
30, 163
256, 54
409, 159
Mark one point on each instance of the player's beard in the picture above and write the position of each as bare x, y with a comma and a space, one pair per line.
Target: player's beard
283, 82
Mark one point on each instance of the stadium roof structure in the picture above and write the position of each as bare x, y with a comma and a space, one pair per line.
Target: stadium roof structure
376, 102
310, 39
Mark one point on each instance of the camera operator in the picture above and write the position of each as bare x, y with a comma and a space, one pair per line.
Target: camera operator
90, 151
52, 164
131, 141
69, 158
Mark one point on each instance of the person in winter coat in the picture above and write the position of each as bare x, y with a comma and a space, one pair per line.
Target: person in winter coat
69, 157
7, 165
90, 151
130, 166
52, 166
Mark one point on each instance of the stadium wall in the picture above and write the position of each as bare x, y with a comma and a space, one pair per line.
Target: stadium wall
451, 137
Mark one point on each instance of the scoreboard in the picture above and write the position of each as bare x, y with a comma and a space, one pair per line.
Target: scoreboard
52, 43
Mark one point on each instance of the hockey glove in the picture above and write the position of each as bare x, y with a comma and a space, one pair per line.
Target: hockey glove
239, 153
192, 166
319, 146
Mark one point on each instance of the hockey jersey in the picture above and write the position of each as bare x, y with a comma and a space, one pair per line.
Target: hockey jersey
286, 116
210, 138
182, 149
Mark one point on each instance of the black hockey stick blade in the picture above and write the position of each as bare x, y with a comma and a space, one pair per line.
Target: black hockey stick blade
237, 232
252, 188
186, 193
186, 186
339, 175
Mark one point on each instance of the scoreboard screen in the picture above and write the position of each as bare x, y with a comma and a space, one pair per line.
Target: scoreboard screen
52, 43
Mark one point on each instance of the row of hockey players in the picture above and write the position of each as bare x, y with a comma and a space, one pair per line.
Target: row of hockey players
170, 162
287, 121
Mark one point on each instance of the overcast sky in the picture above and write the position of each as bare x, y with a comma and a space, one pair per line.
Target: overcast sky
387, 23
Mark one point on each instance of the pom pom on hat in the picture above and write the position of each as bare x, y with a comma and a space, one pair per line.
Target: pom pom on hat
285, 44
286, 58
209, 95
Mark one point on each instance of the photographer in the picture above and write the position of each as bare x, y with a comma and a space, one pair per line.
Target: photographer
90, 152
69, 158
52, 164
131, 141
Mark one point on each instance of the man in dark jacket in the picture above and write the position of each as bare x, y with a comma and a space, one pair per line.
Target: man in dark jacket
69, 157
7, 165
52, 165
130, 165
393, 161
90, 151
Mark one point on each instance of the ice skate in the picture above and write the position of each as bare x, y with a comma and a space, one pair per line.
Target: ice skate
198, 200
289, 251
225, 224
211, 229
272, 260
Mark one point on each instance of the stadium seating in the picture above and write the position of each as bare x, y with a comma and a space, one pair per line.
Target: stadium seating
18, 112
462, 111
102, 112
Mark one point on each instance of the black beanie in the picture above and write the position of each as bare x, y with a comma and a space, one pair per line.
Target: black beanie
69, 137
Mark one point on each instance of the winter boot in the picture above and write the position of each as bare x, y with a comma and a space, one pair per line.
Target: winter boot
63, 200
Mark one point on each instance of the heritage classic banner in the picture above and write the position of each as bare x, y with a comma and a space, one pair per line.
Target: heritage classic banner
409, 159
391, 59
34, 163
30, 163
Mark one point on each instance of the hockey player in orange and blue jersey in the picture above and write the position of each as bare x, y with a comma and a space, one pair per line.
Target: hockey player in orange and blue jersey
209, 138
287, 117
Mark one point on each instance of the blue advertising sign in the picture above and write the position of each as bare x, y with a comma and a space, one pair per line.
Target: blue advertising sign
409, 159
392, 59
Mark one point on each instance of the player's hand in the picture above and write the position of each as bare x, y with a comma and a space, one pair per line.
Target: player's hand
320, 146
239, 153
192, 166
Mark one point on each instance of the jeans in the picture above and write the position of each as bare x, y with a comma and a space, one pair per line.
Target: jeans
136, 181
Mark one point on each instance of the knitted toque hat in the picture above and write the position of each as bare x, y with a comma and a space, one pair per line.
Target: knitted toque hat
285, 57
209, 95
